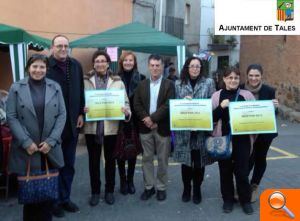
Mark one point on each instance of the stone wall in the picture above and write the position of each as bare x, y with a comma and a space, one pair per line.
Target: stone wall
280, 58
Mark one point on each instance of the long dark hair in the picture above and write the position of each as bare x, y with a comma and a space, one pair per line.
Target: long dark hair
184, 74
36, 57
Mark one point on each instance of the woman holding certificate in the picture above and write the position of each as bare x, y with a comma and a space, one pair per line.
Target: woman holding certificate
102, 132
258, 160
238, 164
189, 145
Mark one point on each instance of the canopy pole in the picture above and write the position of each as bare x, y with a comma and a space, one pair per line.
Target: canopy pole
180, 57
160, 15
13, 62
22, 60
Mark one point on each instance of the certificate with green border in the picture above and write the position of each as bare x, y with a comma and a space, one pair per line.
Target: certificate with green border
252, 117
104, 104
191, 114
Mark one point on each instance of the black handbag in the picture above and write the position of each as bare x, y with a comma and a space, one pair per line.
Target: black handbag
39, 186
128, 144
220, 148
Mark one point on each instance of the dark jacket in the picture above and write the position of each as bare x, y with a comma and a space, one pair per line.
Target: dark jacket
161, 115
75, 90
23, 122
265, 93
131, 88
135, 80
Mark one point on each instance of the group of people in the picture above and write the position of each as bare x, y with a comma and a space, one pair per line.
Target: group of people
46, 109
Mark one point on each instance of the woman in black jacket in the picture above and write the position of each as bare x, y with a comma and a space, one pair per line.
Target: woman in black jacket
238, 164
128, 71
263, 142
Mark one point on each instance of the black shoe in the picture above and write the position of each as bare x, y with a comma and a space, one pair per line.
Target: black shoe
247, 208
109, 198
58, 211
186, 195
94, 199
161, 195
123, 188
197, 197
228, 206
147, 194
70, 207
131, 188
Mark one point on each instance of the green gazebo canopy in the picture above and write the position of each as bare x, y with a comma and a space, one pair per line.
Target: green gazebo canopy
14, 35
133, 36
19, 41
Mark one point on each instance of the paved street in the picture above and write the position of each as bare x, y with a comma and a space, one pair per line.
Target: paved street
282, 172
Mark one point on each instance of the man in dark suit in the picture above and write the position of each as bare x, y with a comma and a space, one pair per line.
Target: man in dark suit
151, 105
68, 73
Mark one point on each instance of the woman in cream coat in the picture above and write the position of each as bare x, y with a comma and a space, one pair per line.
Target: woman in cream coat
104, 133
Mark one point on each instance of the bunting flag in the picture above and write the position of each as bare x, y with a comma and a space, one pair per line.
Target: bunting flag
18, 57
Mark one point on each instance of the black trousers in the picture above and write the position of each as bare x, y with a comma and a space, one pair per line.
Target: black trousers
94, 151
193, 173
258, 159
130, 170
239, 166
67, 172
37, 212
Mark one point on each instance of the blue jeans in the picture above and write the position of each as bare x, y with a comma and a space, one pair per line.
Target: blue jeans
66, 173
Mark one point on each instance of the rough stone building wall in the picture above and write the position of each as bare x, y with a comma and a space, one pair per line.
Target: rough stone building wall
280, 58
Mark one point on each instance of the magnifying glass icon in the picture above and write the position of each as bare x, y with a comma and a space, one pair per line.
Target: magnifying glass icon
277, 201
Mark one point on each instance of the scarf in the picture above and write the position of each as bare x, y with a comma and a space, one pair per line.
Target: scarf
101, 83
254, 91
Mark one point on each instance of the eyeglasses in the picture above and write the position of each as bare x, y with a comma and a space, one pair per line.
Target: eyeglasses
62, 46
100, 62
233, 78
195, 66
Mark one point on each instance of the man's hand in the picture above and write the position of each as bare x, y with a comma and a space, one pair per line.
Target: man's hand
32, 149
148, 122
154, 126
80, 121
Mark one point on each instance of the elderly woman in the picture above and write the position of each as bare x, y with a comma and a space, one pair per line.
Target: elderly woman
36, 116
238, 164
258, 160
98, 133
189, 145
